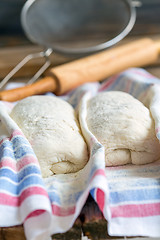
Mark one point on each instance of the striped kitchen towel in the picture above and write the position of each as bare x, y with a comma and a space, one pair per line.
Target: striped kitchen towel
133, 202
128, 196
43, 206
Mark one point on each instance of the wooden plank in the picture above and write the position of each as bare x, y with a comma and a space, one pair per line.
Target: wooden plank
13, 233
11, 56
17, 233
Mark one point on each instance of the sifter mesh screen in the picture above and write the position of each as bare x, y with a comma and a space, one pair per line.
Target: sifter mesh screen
77, 26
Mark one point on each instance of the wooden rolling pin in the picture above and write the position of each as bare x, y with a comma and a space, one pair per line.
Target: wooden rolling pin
93, 68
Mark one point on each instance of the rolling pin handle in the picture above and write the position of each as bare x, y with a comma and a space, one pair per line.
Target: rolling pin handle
42, 86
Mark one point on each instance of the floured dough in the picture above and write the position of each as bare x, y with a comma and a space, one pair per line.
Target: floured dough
124, 126
51, 127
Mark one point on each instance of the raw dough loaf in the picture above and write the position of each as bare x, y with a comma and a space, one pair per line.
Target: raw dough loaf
124, 126
51, 127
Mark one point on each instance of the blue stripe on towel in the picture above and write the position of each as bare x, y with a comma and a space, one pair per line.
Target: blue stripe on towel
16, 177
137, 195
15, 189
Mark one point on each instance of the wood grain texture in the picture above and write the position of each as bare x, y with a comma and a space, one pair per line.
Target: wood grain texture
96, 67
12, 233
11, 56
17, 233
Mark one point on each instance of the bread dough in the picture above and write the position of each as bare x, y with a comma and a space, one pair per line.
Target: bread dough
124, 126
51, 126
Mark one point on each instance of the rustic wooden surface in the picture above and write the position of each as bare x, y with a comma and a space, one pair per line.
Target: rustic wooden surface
11, 56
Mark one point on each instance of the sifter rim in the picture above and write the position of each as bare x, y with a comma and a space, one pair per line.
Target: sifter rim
83, 50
